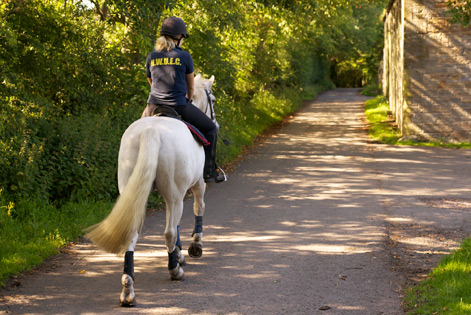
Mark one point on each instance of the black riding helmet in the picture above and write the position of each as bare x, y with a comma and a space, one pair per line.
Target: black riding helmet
173, 27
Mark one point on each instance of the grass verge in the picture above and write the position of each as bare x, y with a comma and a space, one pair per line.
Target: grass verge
382, 127
384, 130
31, 231
448, 290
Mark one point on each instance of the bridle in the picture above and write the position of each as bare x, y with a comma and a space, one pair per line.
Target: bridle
210, 108
210, 104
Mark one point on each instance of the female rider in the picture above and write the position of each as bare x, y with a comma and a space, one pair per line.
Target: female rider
170, 74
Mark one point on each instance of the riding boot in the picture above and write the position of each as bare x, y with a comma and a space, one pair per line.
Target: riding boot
211, 173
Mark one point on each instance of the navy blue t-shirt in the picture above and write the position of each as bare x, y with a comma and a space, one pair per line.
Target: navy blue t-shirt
168, 70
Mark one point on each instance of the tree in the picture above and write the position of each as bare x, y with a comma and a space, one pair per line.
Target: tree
140, 19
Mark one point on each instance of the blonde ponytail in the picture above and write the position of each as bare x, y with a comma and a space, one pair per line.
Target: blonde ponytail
164, 43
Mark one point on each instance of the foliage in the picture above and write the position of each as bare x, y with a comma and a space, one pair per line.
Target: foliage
61, 98
139, 18
356, 63
459, 11
448, 290
372, 90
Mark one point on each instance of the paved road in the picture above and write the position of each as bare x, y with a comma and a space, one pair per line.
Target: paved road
302, 227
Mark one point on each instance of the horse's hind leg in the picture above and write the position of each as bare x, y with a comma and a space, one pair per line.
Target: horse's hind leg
196, 246
127, 297
174, 214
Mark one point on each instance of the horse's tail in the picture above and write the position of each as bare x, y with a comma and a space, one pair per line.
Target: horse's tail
116, 231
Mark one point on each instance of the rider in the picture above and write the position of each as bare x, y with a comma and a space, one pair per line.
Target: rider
170, 74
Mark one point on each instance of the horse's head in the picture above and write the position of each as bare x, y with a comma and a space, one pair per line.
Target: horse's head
203, 97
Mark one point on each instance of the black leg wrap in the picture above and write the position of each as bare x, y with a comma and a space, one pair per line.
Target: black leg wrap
129, 264
172, 260
198, 225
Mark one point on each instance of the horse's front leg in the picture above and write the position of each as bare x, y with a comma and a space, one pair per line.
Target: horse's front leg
127, 297
196, 246
178, 248
174, 214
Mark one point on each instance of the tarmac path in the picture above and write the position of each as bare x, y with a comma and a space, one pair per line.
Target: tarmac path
311, 222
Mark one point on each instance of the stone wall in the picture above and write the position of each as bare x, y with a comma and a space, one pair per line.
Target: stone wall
427, 71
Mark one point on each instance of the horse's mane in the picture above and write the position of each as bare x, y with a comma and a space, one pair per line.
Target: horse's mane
200, 97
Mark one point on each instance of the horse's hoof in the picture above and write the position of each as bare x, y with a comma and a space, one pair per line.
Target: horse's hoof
195, 250
177, 273
128, 304
127, 297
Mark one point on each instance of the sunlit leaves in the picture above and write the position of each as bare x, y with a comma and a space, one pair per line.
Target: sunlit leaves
459, 11
64, 62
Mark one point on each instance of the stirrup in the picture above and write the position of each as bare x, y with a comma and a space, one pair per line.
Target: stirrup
216, 177
220, 177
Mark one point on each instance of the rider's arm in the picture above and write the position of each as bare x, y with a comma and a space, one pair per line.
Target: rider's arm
190, 85
150, 81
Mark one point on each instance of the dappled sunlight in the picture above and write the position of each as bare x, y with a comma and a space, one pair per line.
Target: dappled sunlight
435, 54
399, 219
429, 245
246, 238
256, 276
331, 249
162, 310
351, 308
347, 205
302, 224
285, 181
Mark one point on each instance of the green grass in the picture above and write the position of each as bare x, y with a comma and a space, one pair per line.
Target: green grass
31, 231
448, 289
384, 130
382, 127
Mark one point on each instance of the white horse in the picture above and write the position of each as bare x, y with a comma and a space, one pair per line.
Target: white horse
157, 153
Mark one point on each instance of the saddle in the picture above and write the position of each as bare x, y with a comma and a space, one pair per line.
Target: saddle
167, 111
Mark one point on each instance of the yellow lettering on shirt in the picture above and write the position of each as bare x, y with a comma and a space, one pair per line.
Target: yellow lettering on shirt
165, 62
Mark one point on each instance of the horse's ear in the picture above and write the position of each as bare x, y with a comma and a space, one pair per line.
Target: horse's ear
208, 83
198, 76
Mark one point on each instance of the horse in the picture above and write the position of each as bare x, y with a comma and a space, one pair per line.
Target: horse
157, 153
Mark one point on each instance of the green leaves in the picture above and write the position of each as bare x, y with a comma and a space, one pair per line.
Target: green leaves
72, 76
459, 11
